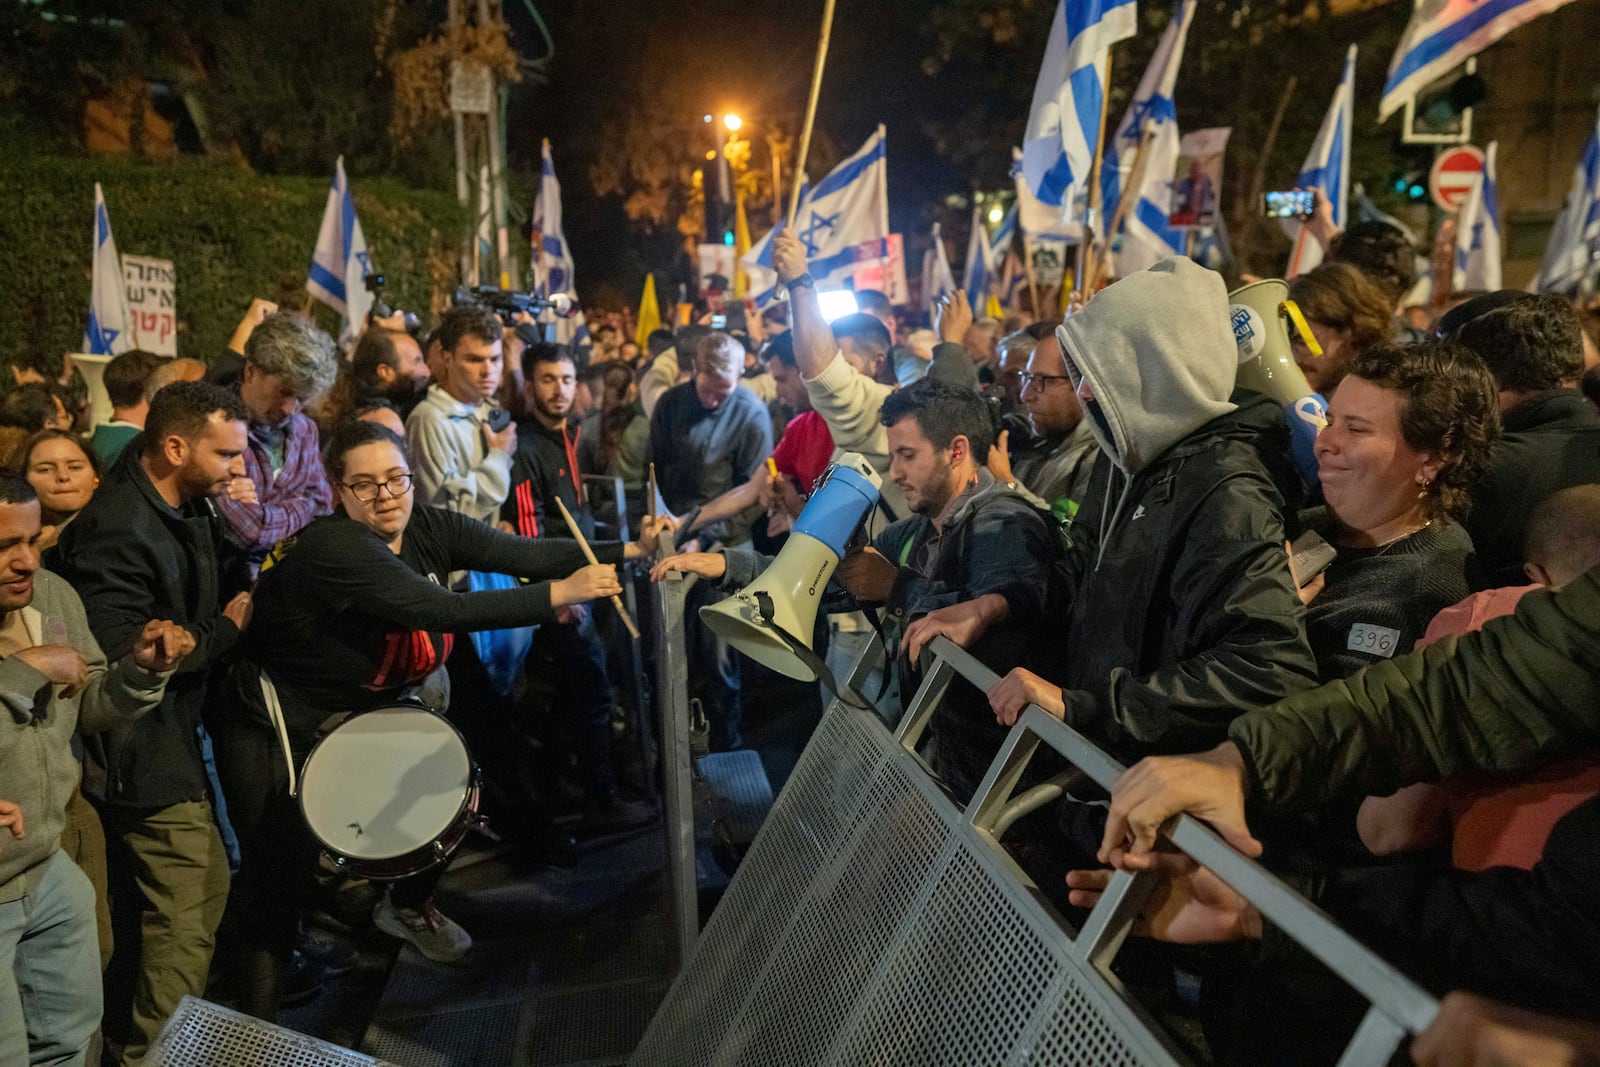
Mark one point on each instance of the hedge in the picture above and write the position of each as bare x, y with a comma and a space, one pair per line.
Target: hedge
231, 234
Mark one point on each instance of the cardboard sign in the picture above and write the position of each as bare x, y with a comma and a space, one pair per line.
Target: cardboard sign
152, 289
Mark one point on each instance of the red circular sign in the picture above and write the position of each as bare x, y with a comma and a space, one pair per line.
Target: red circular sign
1455, 173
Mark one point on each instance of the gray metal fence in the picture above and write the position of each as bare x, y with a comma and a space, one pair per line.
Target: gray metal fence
874, 921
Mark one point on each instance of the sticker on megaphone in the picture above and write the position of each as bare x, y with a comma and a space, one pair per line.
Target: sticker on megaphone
1249, 331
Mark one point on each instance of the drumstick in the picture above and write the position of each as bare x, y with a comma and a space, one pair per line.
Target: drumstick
616, 601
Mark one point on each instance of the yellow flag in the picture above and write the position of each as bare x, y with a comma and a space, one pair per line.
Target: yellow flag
993, 309
649, 312
741, 245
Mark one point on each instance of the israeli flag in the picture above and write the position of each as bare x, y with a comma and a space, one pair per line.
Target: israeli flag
843, 221
1064, 121
978, 266
1040, 221
1443, 33
1478, 233
938, 280
1327, 167
553, 267
1146, 237
1573, 254
340, 265
107, 332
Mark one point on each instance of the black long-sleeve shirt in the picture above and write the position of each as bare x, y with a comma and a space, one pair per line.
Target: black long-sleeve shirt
343, 623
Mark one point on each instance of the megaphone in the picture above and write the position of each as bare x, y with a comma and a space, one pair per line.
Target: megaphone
93, 370
1261, 314
771, 619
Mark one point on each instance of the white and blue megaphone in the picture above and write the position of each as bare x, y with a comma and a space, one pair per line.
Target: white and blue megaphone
1261, 314
771, 619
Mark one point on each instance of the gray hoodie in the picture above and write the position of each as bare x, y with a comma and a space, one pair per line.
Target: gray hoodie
1159, 354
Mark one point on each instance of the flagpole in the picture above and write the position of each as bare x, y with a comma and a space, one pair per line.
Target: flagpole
811, 110
1133, 185
1086, 243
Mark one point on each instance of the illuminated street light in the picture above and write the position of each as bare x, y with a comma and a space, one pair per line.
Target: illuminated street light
732, 121
995, 214
708, 118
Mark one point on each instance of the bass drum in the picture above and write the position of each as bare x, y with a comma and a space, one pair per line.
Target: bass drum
390, 792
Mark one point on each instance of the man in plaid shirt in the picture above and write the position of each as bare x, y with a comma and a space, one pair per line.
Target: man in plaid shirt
287, 361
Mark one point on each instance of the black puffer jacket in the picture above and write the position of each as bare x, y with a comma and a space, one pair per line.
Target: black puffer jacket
1180, 609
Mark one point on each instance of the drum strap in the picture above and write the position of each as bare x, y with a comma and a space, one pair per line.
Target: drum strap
269, 693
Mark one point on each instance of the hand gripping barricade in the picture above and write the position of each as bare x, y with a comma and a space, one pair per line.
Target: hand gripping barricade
875, 921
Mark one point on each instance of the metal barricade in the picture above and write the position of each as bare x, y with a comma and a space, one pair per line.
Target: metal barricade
875, 921
671, 689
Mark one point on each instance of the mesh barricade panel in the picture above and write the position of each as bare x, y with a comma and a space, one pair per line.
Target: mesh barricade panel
202, 1034
972, 961
807, 826
864, 928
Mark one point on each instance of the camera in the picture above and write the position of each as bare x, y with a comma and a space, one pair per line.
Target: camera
507, 303
381, 309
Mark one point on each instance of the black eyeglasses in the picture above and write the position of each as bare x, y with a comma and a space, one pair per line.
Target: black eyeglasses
367, 492
1044, 380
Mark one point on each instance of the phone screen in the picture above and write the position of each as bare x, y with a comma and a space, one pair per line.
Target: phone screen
719, 322
1290, 203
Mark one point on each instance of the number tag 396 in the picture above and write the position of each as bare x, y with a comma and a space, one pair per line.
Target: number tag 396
1375, 640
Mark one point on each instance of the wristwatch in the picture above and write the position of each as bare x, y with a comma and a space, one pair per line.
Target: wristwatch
805, 281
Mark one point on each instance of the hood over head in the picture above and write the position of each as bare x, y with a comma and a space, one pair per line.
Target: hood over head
1159, 354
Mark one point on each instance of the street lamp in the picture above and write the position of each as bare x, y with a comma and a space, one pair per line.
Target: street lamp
732, 121
995, 214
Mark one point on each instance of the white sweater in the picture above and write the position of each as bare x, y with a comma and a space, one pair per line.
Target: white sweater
453, 464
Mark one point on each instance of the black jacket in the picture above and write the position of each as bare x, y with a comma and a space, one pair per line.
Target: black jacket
546, 467
994, 541
1551, 442
133, 557
1180, 609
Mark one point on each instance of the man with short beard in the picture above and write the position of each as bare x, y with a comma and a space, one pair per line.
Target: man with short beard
544, 470
146, 546
388, 364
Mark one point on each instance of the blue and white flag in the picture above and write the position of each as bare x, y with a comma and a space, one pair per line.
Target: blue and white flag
553, 268
1573, 254
843, 222
1478, 234
1064, 121
552, 260
1327, 167
938, 280
1443, 33
979, 266
340, 265
1146, 237
107, 331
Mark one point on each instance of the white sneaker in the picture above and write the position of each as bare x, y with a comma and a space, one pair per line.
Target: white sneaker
426, 928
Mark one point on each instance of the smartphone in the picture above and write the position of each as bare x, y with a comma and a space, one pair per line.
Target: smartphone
499, 419
719, 322
1311, 555
1290, 204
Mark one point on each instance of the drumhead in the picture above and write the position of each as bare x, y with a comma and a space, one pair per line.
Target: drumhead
385, 783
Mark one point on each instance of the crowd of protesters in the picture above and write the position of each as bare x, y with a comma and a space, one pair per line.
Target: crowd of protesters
241, 555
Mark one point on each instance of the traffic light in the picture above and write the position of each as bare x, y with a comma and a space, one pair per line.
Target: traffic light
1442, 112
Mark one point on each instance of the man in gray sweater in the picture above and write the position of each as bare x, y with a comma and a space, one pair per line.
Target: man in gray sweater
54, 680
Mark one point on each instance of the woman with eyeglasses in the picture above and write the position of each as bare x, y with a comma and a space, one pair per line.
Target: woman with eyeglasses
348, 616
